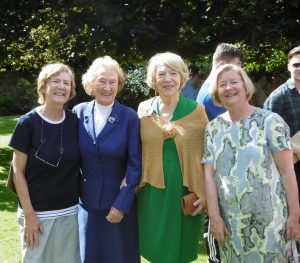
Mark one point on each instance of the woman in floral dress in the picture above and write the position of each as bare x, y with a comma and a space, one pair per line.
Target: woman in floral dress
249, 177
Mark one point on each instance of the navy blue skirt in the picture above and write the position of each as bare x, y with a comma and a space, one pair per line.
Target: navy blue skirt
104, 242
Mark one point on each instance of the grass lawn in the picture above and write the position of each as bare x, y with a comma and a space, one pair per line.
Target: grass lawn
10, 251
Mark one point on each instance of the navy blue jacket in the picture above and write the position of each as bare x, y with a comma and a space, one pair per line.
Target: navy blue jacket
110, 157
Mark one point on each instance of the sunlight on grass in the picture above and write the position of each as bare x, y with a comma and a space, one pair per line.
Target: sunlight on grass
7, 125
4, 140
10, 248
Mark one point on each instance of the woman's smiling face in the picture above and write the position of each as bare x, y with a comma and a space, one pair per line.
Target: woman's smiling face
231, 88
105, 87
167, 81
58, 88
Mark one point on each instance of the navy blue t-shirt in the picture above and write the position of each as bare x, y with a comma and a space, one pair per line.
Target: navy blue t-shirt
50, 188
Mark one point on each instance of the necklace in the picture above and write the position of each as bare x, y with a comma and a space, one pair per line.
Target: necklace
43, 140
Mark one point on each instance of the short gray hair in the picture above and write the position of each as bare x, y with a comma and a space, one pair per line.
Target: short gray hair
171, 60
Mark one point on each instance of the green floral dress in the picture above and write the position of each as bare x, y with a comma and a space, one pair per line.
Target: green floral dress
166, 234
251, 196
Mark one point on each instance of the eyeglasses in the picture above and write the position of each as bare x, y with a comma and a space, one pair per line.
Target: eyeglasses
296, 65
61, 150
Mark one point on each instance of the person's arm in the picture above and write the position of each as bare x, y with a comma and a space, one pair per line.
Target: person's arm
284, 162
123, 202
115, 215
32, 225
296, 147
217, 225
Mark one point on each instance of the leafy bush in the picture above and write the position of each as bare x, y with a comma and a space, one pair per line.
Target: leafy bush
135, 89
6, 105
26, 98
22, 99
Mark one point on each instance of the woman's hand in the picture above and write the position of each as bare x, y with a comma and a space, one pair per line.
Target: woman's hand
32, 225
284, 162
293, 227
199, 207
218, 228
32, 228
217, 225
115, 215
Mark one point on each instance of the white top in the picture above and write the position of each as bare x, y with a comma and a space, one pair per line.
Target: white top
101, 114
51, 214
38, 110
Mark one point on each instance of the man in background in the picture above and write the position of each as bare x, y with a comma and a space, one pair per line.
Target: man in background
191, 87
285, 100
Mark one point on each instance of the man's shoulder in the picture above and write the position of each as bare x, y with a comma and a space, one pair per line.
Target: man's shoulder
278, 97
203, 92
281, 90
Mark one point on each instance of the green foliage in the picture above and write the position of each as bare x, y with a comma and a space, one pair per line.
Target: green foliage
76, 32
135, 89
6, 105
136, 80
274, 57
27, 95
34, 33
24, 99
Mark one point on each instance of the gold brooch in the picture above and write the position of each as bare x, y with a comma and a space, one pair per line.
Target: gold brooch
169, 129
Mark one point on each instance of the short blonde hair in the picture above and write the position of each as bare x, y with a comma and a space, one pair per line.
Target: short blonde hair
249, 87
47, 72
98, 66
170, 60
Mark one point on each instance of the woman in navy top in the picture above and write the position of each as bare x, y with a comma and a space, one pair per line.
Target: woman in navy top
45, 164
109, 141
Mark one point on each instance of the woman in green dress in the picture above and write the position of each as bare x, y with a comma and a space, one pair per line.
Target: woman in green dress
172, 133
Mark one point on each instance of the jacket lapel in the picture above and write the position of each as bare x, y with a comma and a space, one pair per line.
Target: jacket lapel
112, 120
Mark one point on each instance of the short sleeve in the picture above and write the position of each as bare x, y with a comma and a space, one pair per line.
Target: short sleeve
20, 139
208, 153
278, 133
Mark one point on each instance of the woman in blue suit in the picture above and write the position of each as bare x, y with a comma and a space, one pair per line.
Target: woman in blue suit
109, 141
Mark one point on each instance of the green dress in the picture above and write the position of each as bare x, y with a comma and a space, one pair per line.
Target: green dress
166, 234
